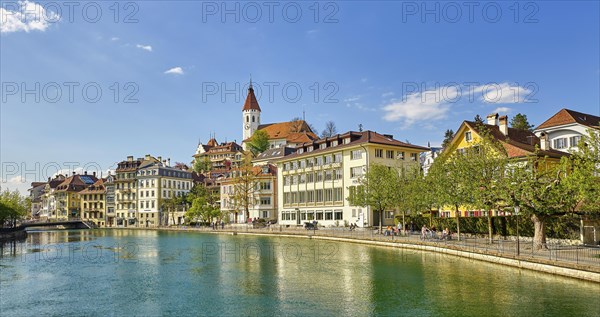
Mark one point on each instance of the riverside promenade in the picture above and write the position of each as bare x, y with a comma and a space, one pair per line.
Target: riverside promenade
577, 261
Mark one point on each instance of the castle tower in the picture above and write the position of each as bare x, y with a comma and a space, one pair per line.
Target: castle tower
250, 114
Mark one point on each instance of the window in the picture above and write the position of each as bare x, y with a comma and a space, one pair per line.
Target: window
346, 140
265, 185
389, 154
389, 215
265, 200
319, 215
468, 136
338, 173
337, 158
319, 195
310, 178
302, 197
400, 155
328, 175
323, 145
310, 196
302, 164
328, 159
378, 153
253, 119
302, 179
334, 143
356, 171
356, 154
560, 143
328, 215
338, 215
319, 176
319, 161
338, 194
413, 156
574, 140
328, 194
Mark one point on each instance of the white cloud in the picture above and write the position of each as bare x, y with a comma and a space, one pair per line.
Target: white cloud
313, 31
363, 80
502, 110
387, 94
175, 70
114, 38
423, 106
25, 16
144, 47
502, 93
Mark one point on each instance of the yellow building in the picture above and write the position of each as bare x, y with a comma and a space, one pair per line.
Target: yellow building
93, 204
519, 145
68, 201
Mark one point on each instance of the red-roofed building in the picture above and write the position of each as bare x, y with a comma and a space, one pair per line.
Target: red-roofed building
565, 128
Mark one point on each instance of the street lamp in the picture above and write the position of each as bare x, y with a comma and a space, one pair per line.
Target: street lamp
517, 209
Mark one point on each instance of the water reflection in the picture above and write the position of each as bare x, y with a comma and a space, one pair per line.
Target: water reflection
135, 272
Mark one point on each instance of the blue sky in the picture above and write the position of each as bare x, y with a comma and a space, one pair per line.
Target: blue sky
533, 58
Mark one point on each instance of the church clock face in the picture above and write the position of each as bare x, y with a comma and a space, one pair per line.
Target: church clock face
247, 126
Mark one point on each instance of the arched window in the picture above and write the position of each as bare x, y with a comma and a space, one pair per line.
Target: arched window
252, 118
247, 119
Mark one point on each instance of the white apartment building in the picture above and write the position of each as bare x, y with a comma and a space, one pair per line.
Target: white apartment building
156, 182
315, 182
564, 129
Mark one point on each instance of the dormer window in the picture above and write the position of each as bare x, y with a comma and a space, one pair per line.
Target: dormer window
323, 146
468, 136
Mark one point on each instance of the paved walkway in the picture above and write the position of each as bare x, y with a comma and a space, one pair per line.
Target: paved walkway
571, 256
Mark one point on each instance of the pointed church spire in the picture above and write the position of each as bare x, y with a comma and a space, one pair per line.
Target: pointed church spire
251, 103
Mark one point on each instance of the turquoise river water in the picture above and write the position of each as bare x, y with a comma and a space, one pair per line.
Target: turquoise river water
162, 273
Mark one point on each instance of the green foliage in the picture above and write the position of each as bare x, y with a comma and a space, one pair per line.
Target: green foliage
13, 207
448, 136
563, 227
259, 142
584, 172
202, 165
204, 205
519, 121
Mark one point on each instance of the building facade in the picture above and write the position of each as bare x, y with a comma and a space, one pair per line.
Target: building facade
93, 203
565, 128
315, 182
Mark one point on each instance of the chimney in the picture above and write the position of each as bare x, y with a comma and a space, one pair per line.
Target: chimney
130, 159
48, 179
169, 162
159, 158
492, 119
73, 172
503, 124
544, 144
85, 173
94, 173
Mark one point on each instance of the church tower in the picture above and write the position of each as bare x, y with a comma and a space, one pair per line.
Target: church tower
250, 114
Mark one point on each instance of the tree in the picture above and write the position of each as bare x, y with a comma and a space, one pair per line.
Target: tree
446, 177
519, 121
448, 136
483, 175
259, 142
584, 176
414, 194
478, 119
540, 187
13, 207
202, 165
244, 182
330, 130
204, 204
379, 190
